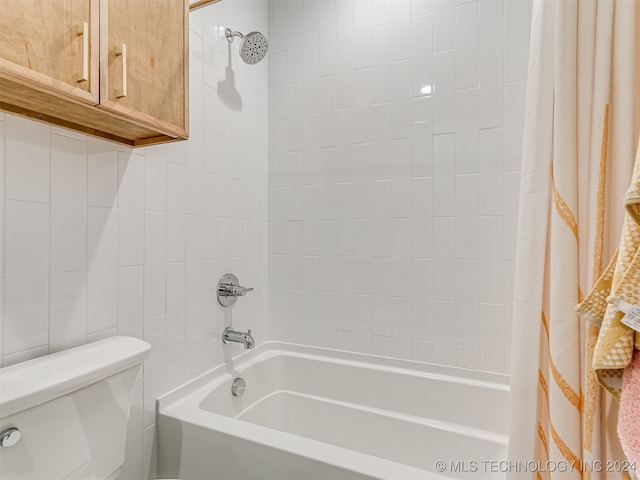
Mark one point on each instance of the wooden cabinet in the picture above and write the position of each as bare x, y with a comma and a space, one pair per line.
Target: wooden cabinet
111, 68
47, 44
138, 35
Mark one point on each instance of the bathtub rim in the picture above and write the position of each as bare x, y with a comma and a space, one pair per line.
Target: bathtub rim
271, 349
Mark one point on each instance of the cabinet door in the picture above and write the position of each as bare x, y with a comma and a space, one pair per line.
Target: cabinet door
51, 45
143, 54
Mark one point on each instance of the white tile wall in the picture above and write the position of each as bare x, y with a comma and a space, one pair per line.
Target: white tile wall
97, 239
393, 205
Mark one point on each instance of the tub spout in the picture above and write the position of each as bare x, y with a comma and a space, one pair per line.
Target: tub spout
245, 338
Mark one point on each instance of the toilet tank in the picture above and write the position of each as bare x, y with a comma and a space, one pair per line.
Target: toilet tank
71, 409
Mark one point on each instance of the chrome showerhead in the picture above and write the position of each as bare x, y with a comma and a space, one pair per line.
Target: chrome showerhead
254, 45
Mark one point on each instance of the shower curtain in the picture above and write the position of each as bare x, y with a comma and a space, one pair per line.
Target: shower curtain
581, 133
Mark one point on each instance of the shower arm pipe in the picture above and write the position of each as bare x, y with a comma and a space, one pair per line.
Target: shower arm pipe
230, 34
201, 3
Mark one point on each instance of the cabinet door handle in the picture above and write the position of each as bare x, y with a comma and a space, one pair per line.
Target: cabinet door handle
121, 51
82, 29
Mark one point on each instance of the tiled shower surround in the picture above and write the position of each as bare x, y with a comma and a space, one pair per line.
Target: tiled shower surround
395, 138
394, 131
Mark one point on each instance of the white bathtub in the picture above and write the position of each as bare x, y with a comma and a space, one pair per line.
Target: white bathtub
315, 413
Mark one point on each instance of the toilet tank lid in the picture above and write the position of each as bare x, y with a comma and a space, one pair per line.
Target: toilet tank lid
36, 381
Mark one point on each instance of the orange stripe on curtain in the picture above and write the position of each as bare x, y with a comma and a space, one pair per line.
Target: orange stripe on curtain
543, 439
563, 209
565, 450
571, 395
557, 439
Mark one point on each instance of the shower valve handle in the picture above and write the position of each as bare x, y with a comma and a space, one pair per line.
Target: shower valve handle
234, 290
229, 289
